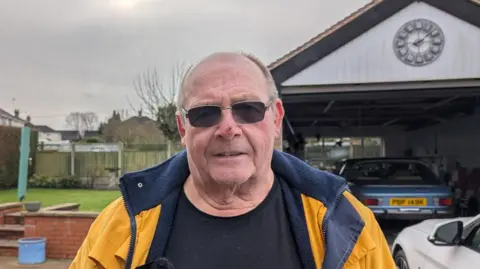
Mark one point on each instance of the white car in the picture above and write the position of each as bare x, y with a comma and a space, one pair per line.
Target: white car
439, 243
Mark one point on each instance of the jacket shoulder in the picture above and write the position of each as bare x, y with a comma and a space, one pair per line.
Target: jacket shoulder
115, 212
362, 210
112, 220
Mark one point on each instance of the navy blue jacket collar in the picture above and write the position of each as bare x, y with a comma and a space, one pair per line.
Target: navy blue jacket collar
147, 188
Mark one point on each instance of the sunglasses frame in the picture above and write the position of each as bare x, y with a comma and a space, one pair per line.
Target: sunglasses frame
266, 106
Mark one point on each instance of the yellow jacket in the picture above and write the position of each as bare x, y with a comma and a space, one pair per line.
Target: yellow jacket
333, 230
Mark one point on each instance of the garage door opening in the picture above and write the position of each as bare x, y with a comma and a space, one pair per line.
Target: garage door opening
440, 122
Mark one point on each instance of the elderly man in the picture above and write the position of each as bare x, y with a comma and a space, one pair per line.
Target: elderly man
230, 200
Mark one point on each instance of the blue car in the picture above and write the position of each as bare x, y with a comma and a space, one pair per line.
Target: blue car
398, 188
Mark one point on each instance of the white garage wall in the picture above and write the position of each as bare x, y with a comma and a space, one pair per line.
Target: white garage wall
456, 140
371, 57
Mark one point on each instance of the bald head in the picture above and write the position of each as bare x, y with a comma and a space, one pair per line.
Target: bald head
212, 69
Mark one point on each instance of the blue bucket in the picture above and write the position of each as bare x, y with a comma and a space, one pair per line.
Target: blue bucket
31, 250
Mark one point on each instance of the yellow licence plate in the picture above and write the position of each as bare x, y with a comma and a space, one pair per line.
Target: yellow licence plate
408, 201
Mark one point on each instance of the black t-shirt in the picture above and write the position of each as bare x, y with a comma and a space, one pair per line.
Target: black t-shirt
261, 238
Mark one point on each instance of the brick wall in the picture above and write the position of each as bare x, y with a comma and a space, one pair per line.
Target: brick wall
9, 208
65, 231
8, 252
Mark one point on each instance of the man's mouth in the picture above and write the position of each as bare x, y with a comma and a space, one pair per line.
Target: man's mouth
229, 154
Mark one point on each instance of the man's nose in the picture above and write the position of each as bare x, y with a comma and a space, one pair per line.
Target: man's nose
227, 127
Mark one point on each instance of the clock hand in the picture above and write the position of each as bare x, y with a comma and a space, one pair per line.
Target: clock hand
418, 41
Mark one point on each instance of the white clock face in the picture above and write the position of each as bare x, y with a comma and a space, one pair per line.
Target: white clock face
419, 42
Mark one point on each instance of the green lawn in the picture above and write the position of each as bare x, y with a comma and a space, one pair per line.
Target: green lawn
89, 200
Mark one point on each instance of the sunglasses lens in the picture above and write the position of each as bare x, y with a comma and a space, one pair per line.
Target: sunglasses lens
244, 112
204, 116
248, 112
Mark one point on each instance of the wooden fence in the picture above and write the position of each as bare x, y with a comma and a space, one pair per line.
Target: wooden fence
95, 164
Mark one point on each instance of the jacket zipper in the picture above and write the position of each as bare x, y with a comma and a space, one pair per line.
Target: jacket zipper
329, 212
133, 232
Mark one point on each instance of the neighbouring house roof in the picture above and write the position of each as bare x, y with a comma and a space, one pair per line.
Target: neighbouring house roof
72, 135
5, 114
134, 130
91, 133
355, 25
44, 128
139, 119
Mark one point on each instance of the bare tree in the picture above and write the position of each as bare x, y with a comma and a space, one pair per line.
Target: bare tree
157, 98
82, 121
89, 120
74, 120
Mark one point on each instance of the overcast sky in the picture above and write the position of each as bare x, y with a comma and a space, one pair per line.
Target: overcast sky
61, 56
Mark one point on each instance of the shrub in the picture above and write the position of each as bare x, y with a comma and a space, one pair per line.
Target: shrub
65, 182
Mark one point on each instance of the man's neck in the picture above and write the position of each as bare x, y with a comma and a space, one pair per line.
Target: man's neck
228, 201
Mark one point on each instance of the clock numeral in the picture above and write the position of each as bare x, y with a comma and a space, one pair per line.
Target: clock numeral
418, 24
428, 56
400, 43
403, 51
409, 28
419, 59
435, 33
437, 41
428, 27
402, 35
409, 58
435, 50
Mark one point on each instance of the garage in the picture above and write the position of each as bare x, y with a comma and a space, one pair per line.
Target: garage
397, 78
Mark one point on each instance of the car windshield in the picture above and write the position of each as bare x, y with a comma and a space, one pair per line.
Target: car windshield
389, 172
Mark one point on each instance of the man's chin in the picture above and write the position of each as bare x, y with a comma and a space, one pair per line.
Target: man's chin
233, 176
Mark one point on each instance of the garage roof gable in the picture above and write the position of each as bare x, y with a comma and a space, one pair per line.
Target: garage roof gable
355, 25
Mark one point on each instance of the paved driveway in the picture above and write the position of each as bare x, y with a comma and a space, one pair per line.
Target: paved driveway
12, 263
392, 228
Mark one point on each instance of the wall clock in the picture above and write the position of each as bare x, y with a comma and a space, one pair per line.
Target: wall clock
419, 42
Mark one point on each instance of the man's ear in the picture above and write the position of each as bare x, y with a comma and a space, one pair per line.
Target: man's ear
181, 127
279, 112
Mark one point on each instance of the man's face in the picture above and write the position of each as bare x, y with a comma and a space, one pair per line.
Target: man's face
229, 152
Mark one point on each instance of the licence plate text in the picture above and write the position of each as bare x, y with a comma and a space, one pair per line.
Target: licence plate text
408, 201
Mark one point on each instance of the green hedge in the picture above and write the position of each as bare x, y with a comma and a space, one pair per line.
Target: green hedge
10, 154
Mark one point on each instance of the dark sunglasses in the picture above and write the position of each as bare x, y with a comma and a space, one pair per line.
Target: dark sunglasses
243, 112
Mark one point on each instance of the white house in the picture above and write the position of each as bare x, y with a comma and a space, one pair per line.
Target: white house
7, 119
47, 134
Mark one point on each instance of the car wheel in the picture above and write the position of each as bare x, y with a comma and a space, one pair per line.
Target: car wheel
401, 260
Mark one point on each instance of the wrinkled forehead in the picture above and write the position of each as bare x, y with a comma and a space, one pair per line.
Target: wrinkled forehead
223, 72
